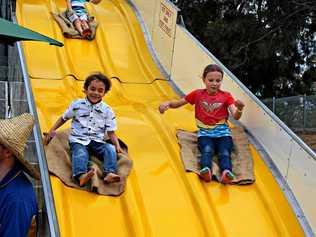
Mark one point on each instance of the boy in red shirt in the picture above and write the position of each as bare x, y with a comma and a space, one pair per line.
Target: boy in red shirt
212, 107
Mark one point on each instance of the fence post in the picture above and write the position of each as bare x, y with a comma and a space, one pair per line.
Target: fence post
273, 104
304, 112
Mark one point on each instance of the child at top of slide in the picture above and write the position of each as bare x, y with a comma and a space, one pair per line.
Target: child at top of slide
79, 15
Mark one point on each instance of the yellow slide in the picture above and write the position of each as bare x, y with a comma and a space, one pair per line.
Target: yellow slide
160, 199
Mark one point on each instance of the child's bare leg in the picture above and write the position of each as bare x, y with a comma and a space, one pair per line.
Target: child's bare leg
111, 178
84, 178
108, 153
78, 26
86, 29
85, 25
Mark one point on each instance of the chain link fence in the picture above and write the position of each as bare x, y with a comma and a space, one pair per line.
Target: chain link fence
297, 112
3, 99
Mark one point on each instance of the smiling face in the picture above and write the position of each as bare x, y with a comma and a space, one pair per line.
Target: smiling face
95, 91
213, 81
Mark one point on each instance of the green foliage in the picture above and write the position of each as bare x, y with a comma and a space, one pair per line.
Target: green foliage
265, 43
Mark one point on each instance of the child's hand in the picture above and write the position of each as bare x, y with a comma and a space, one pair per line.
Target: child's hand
163, 107
48, 137
119, 149
239, 104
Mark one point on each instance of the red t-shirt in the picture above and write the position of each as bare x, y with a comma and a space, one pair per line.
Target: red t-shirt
210, 109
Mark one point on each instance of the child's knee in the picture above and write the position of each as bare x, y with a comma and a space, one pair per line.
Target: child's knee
206, 149
72, 17
110, 149
78, 150
224, 153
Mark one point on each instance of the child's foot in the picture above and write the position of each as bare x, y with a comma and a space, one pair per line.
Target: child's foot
84, 178
227, 177
112, 178
206, 174
86, 33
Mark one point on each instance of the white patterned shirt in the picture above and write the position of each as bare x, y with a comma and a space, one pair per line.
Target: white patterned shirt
89, 121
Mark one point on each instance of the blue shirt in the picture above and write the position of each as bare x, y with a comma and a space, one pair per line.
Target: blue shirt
17, 204
79, 6
89, 121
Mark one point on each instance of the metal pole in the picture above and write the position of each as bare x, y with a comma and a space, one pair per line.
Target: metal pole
304, 112
48, 194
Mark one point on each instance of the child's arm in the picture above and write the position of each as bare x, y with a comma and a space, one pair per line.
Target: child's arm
52, 132
69, 5
236, 109
115, 141
172, 104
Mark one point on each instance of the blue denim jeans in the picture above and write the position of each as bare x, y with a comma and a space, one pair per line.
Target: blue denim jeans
80, 157
208, 146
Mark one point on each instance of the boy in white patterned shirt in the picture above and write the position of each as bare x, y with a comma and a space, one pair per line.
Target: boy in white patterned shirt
91, 118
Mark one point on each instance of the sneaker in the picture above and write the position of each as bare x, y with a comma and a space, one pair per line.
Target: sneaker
227, 177
206, 174
86, 33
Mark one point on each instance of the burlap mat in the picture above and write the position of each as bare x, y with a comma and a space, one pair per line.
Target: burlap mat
59, 164
68, 28
241, 158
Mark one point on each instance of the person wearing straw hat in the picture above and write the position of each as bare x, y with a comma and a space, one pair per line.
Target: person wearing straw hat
18, 204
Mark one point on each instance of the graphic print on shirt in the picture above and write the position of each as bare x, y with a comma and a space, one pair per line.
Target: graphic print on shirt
210, 107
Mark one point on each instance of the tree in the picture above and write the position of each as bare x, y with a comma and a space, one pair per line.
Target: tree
265, 43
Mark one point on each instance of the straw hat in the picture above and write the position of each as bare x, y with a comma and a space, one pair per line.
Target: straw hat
14, 133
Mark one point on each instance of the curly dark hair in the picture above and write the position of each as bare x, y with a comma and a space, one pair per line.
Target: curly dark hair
98, 76
212, 68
